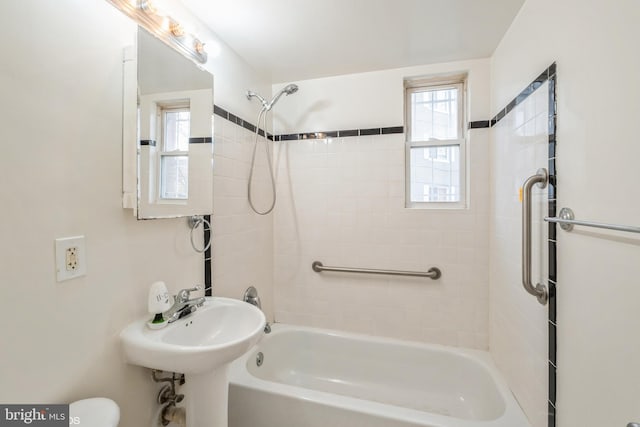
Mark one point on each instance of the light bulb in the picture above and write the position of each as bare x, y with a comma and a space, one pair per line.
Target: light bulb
198, 46
176, 29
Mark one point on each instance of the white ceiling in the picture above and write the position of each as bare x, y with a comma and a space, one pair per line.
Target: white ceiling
303, 39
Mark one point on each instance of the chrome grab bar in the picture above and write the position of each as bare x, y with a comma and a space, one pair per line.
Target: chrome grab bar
567, 220
539, 290
433, 273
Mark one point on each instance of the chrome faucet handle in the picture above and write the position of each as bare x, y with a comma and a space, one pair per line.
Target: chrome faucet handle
184, 294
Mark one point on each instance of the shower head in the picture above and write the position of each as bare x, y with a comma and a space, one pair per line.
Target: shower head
287, 90
290, 89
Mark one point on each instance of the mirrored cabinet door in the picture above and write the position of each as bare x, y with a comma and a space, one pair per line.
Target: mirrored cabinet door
172, 132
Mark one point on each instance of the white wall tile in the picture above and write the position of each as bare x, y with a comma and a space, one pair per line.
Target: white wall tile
242, 240
349, 211
518, 326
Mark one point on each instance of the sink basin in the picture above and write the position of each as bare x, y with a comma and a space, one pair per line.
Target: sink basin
215, 334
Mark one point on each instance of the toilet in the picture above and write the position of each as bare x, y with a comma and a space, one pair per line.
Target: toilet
94, 412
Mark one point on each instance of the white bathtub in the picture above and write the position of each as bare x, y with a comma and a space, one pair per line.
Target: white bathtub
321, 378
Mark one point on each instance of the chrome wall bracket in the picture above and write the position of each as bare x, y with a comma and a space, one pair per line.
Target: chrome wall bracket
566, 214
567, 220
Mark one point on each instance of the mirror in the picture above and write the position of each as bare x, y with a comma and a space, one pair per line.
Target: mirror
173, 127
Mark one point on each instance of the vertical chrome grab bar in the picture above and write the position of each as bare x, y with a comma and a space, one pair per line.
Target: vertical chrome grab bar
539, 291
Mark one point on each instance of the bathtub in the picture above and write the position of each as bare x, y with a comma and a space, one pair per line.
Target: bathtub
320, 378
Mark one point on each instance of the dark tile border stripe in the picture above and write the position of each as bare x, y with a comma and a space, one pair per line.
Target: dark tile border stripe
219, 111
341, 133
547, 74
551, 75
352, 132
393, 129
479, 124
374, 131
208, 284
201, 140
198, 140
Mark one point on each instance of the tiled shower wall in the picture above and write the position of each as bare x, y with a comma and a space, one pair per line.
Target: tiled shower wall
243, 240
518, 325
341, 202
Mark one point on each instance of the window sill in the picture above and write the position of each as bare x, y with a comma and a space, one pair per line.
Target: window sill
437, 206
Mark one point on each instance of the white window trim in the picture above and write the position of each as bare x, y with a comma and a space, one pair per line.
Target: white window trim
412, 86
162, 109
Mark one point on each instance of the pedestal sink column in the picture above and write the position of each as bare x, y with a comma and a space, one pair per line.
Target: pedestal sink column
206, 398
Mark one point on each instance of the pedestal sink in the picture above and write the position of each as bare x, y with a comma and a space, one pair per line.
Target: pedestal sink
201, 346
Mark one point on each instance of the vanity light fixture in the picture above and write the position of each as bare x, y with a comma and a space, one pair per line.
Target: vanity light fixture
145, 13
146, 5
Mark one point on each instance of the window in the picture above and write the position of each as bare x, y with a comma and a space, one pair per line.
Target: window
174, 156
435, 147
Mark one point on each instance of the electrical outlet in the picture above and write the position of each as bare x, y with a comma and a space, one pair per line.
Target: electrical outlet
71, 258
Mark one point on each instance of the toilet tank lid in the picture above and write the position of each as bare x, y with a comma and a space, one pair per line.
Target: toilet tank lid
95, 412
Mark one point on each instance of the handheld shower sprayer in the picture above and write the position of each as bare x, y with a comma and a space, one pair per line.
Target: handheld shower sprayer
287, 90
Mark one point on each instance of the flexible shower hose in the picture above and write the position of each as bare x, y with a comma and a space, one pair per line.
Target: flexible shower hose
262, 115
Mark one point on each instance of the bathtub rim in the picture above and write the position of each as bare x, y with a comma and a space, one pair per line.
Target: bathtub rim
513, 415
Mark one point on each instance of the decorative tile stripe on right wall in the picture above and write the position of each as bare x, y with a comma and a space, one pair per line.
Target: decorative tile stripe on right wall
549, 75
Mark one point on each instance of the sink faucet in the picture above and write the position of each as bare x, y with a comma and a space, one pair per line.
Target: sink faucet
182, 305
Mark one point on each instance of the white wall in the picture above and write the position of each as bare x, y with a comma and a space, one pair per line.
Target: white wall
368, 100
518, 324
341, 201
595, 47
61, 133
232, 75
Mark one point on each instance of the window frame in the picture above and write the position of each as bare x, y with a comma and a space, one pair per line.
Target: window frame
162, 151
422, 85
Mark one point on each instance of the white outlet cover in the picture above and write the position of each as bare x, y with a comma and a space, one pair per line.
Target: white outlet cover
62, 245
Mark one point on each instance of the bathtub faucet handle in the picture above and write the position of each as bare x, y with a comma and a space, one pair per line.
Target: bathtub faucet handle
251, 296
